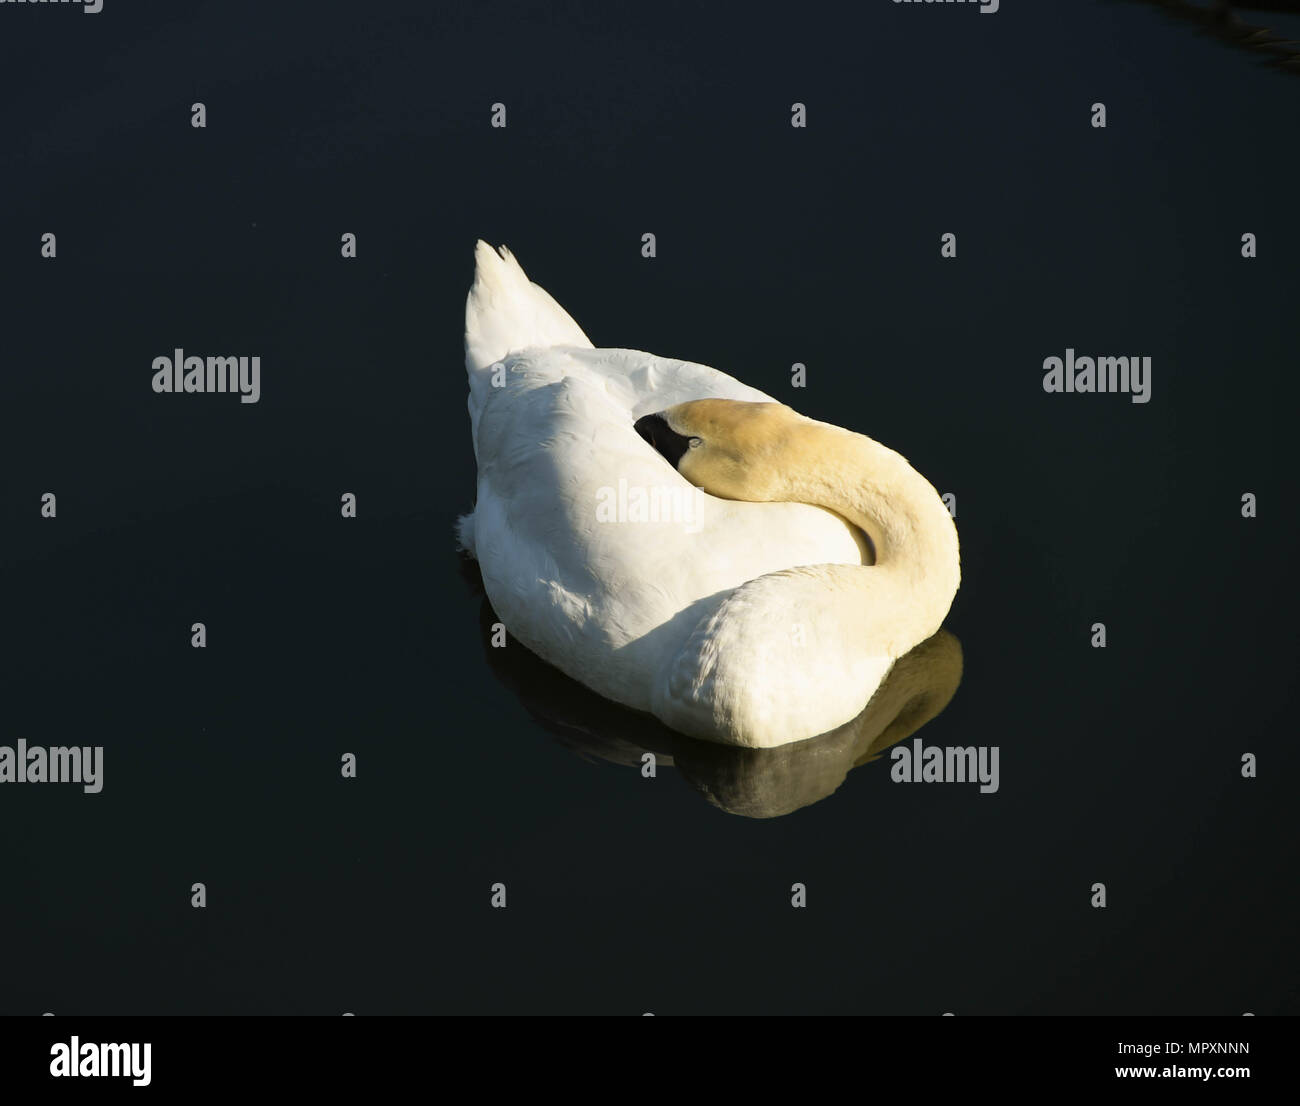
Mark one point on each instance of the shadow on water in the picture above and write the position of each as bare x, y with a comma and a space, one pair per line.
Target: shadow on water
754, 783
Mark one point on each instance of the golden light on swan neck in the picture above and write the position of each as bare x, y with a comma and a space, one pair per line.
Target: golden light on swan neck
738, 450
768, 451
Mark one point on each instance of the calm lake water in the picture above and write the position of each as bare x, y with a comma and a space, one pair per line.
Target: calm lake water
775, 245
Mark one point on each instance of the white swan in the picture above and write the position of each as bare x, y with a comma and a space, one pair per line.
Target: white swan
758, 621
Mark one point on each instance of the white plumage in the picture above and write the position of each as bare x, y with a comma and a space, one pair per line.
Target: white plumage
614, 604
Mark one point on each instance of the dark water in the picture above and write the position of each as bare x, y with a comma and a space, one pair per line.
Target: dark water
1118, 765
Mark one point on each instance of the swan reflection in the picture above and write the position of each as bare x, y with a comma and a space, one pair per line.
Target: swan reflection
754, 783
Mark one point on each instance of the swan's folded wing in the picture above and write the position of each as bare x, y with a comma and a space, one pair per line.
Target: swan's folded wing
592, 546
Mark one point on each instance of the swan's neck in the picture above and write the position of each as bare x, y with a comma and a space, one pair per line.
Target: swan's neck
908, 591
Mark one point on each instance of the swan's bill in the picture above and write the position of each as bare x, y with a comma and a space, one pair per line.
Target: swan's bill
663, 438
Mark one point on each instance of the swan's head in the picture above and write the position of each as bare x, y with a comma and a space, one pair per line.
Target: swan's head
731, 449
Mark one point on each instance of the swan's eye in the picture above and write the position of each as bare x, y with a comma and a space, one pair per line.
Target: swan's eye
695, 443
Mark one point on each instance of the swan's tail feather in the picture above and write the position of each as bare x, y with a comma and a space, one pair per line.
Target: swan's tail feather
506, 311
